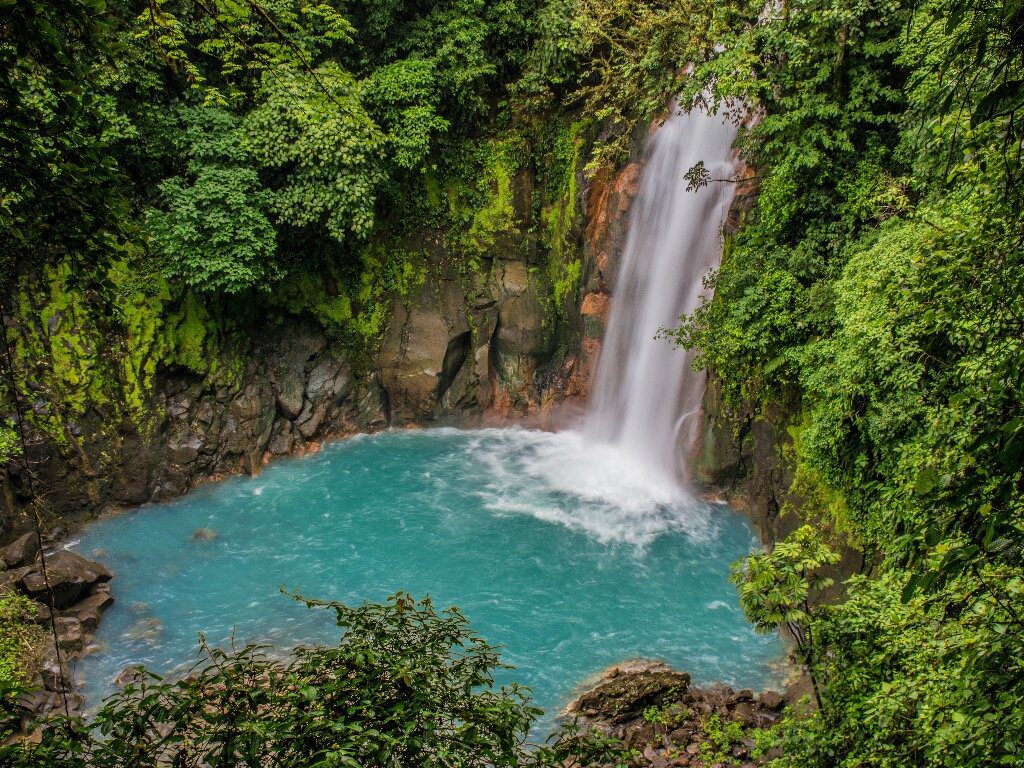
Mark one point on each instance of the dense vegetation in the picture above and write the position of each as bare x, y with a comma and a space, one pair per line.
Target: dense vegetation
405, 686
876, 293
254, 154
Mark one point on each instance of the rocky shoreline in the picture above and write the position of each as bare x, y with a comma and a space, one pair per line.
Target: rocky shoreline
82, 593
70, 594
661, 720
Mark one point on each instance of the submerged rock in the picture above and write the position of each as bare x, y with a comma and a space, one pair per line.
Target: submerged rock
147, 630
204, 534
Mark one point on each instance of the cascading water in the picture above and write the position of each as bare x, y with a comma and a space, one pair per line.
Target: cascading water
645, 394
565, 548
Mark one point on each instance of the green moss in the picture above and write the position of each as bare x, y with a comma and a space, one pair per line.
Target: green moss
565, 280
435, 195
356, 309
809, 493
483, 200
140, 306
190, 334
72, 343
387, 272
559, 213
308, 293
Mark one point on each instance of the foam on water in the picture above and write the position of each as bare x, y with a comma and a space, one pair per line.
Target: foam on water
585, 485
564, 553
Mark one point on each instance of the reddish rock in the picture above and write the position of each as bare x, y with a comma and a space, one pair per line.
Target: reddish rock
595, 305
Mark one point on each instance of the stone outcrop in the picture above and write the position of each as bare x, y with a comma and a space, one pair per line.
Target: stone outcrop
296, 390
21, 551
626, 690
662, 720
67, 577
482, 336
79, 590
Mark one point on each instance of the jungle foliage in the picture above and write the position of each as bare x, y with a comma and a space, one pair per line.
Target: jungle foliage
407, 686
876, 293
166, 165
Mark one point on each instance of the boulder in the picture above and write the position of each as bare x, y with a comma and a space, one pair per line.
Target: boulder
13, 577
772, 700
21, 551
745, 714
90, 609
288, 390
184, 451
55, 677
130, 675
70, 634
70, 576
625, 691
283, 441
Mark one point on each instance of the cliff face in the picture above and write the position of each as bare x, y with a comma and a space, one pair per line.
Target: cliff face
508, 335
514, 338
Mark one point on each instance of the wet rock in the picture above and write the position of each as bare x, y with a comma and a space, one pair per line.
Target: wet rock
55, 677
21, 551
70, 576
412, 356
618, 704
184, 451
289, 390
283, 441
130, 675
70, 634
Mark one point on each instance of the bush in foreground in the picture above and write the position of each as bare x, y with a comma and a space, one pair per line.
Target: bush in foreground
406, 686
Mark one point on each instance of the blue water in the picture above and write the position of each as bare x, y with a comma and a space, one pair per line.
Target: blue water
563, 553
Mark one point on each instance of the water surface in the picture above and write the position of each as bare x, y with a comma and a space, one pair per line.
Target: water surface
566, 553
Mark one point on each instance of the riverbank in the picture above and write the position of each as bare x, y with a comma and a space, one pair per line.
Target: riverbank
531, 470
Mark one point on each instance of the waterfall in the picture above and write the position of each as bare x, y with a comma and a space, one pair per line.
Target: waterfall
646, 398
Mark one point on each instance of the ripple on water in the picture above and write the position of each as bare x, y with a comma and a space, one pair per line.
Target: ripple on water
569, 555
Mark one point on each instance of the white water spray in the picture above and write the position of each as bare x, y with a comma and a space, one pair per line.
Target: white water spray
646, 398
621, 478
